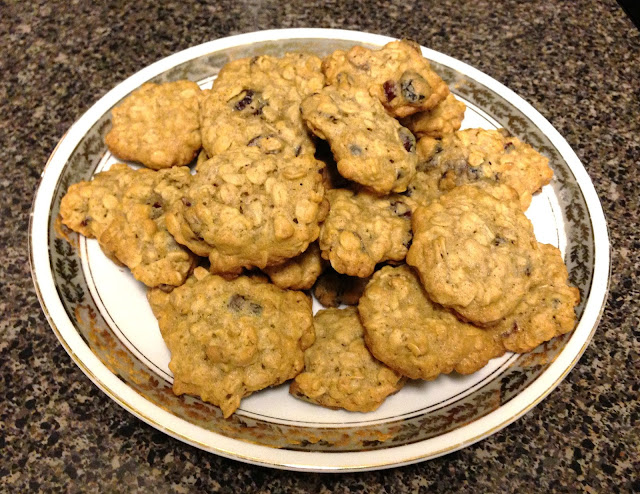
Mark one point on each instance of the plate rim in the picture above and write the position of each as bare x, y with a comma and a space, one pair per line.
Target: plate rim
262, 455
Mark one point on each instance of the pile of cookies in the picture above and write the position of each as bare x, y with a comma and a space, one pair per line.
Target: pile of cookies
346, 176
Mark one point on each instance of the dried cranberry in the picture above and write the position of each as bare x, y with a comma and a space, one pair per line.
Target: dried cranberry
407, 139
244, 102
390, 90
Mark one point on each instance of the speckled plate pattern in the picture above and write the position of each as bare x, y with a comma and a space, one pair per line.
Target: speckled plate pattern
101, 316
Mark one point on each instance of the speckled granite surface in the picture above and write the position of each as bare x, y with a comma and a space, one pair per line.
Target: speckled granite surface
577, 62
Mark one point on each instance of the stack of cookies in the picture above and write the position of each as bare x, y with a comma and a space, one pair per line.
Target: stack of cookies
346, 176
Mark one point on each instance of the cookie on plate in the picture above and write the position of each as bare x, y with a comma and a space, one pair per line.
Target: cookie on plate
443, 119
370, 147
300, 272
125, 210
339, 370
363, 229
546, 311
255, 102
480, 157
158, 125
230, 338
416, 337
474, 253
397, 74
333, 289
245, 208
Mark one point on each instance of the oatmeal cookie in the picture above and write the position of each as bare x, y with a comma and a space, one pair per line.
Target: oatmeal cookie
481, 157
125, 210
158, 125
248, 209
255, 102
474, 253
363, 229
339, 371
546, 311
333, 289
416, 337
445, 118
230, 338
300, 272
397, 75
370, 147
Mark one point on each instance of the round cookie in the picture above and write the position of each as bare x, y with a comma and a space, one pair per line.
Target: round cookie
397, 75
362, 230
474, 253
417, 338
248, 209
158, 125
125, 210
231, 338
339, 370
370, 147
546, 311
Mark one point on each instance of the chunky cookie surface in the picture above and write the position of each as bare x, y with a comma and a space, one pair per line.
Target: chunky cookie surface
363, 229
487, 158
300, 272
412, 335
397, 74
339, 370
158, 125
474, 253
370, 147
443, 119
546, 311
231, 338
248, 209
125, 210
255, 102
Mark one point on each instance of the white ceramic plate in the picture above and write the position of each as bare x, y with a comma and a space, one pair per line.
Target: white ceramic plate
101, 316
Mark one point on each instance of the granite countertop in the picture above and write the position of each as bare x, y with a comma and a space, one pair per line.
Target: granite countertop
577, 62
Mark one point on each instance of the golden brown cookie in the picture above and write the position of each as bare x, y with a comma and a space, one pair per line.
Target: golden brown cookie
300, 272
370, 147
444, 118
481, 157
255, 102
363, 229
231, 338
339, 370
248, 209
334, 289
397, 74
158, 125
546, 311
416, 337
125, 210
474, 253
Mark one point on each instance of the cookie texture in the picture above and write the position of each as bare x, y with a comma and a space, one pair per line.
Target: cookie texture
443, 119
421, 340
255, 102
158, 125
333, 289
125, 210
546, 311
397, 75
488, 158
474, 253
370, 147
362, 230
339, 370
300, 272
231, 338
248, 209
